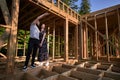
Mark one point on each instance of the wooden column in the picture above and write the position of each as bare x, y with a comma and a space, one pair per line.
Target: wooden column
58, 42
118, 21
48, 40
66, 36
91, 44
13, 37
81, 41
7, 19
76, 42
24, 48
107, 45
85, 47
96, 38
53, 56
118, 13
16, 53
117, 45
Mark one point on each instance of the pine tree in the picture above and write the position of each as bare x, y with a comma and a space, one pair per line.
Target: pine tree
85, 7
71, 3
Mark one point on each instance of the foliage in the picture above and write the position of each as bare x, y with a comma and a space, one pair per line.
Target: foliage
71, 3
2, 30
21, 38
84, 7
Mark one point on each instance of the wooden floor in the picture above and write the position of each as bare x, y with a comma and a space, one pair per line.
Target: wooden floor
73, 70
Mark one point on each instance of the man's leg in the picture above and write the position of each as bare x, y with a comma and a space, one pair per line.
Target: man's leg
30, 47
34, 54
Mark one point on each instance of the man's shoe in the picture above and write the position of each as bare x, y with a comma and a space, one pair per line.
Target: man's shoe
33, 66
41, 64
47, 64
25, 68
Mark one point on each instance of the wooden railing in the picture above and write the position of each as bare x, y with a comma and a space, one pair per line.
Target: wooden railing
65, 8
62, 7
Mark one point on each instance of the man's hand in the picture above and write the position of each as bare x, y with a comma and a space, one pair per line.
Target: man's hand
40, 44
45, 14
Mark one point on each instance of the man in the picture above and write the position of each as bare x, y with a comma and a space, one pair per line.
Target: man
33, 41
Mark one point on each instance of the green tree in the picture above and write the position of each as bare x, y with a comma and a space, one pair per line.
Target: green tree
84, 7
71, 3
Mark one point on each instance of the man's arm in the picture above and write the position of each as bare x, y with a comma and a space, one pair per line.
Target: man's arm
40, 17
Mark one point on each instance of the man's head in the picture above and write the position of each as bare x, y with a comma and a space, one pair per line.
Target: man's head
43, 26
38, 23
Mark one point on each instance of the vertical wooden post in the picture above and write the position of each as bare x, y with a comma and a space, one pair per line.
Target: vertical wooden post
76, 42
107, 45
16, 53
118, 20
58, 42
66, 36
81, 41
96, 38
53, 2
24, 50
12, 39
48, 40
53, 56
86, 39
119, 28
91, 44
85, 42
7, 19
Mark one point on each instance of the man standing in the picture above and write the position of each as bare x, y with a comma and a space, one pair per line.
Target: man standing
33, 41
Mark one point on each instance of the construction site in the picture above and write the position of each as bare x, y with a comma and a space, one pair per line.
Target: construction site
83, 47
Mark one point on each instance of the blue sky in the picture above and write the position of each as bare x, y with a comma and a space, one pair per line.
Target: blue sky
101, 4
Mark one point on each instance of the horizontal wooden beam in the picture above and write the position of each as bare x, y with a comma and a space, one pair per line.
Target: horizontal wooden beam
5, 26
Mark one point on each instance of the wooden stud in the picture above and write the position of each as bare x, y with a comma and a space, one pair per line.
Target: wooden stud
85, 48
12, 40
5, 11
107, 45
58, 41
7, 19
24, 48
16, 53
96, 39
53, 55
93, 28
86, 39
81, 40
118, 19
66, 36
48, 40
76, 42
